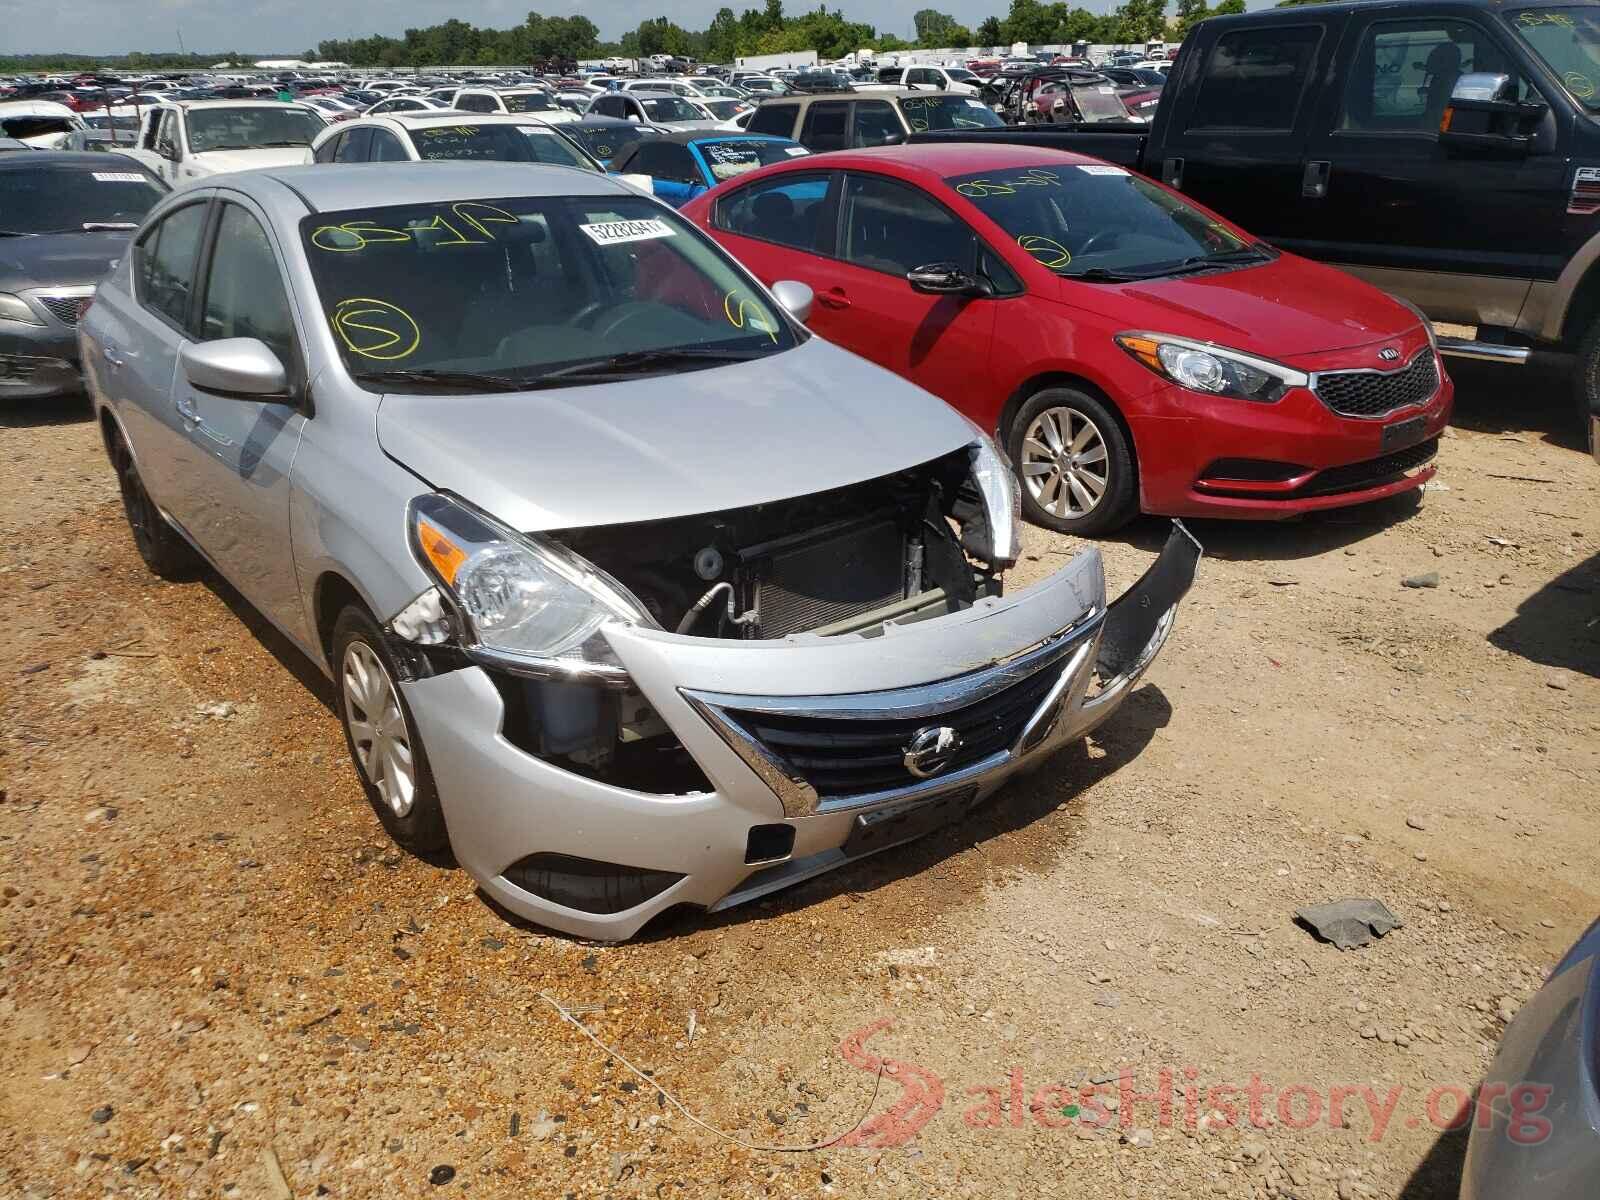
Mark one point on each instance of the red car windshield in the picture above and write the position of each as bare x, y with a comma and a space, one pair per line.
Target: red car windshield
1095, 221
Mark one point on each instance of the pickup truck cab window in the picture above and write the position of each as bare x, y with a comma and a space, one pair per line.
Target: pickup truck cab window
874, 124
1403, 72
1255, 78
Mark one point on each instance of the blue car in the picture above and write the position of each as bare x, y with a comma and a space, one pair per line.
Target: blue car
679, 166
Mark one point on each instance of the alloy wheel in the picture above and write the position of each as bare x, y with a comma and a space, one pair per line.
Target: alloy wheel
1064, 463
378, 727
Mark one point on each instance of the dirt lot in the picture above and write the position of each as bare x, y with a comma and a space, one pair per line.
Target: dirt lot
217, 980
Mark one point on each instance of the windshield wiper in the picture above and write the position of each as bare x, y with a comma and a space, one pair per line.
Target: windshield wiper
473, 380
1102, 275
633, 361
274, 145
1204, 262
101, 226
16, 233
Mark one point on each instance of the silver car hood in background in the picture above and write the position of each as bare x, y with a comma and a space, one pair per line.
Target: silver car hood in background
810, 419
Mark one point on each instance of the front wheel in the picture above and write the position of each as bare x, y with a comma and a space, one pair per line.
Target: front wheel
160, 545
382, 736
1074, 463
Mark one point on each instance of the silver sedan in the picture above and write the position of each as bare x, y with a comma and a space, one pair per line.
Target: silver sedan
635, 593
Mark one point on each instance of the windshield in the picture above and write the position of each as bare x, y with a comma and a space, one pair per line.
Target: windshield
62, 199
1094, 219
947, 112
1568, 41
251, 128
722, 110
734, 156
515, 289
1100, 102
962, 75
498, 143
605, 142
670, 108
527, 102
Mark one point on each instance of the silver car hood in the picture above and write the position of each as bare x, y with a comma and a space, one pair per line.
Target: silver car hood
813, 418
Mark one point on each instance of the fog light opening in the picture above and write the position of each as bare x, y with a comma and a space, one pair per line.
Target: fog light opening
586, 885
769, 843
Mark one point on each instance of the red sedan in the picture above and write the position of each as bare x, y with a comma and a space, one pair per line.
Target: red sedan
1131, 350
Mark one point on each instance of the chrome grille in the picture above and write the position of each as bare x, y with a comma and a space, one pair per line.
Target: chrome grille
1375, 393
64, 308
851, 756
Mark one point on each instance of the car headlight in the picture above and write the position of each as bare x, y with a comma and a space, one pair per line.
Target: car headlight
1215, 370
1002, 503
524, 600
15, 308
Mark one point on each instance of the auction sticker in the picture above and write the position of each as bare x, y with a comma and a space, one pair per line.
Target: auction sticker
119, 176
1100, 169
611, 233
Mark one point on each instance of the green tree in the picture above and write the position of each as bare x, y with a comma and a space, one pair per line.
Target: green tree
1190, 14
1228, 8
989, 31
722, 36
935, 29
774, 14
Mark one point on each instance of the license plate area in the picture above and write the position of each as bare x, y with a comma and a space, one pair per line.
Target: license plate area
898, 823
1402, 435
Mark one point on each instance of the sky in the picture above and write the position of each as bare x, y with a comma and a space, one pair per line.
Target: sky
294, 26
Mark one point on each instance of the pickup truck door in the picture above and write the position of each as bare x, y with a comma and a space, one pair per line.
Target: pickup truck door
1461, 233
1242, 114
144, 149
236, 453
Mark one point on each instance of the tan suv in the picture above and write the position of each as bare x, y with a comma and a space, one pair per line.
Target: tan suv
848, 121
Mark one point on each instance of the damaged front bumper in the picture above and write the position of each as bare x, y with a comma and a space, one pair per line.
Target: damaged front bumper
817, 749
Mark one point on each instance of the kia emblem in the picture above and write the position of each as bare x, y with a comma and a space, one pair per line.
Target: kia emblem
1389, 354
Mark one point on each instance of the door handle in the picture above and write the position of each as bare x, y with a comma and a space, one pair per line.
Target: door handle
111, 355
188, 411
833, 298
1314, 183
1172, 173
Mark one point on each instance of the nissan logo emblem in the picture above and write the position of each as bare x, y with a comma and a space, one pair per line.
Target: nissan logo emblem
931, 749
1389, 354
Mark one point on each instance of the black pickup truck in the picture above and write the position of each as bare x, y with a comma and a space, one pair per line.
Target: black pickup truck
1446, 150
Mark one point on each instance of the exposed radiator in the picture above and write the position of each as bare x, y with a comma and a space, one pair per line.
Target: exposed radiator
827, 575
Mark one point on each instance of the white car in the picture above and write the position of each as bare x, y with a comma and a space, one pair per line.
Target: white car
402, 104
39, 124
191, 139
529, 102
434, 137
661, 109
694, 89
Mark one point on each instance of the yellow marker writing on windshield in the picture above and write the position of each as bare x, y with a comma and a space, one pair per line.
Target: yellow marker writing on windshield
1048, 251
742, 311
375, 329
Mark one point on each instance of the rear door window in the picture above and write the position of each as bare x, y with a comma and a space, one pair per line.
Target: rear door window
825, 126
354, 146
790, 210
1256, 78
774, 118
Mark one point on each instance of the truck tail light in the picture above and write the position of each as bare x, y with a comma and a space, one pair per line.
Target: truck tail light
1585, 198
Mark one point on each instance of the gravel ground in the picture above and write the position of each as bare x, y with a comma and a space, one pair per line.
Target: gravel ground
216, 979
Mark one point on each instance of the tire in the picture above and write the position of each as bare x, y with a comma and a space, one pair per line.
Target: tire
381, 736
1089, 496
160, 545
1586, 382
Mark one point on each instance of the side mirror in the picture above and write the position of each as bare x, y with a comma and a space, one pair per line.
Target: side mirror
237, 368
947, 279
796, 298
1484, 116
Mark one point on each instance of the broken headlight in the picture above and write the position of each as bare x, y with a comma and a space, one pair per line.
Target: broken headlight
1000, 542
526, 602
1214, 370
